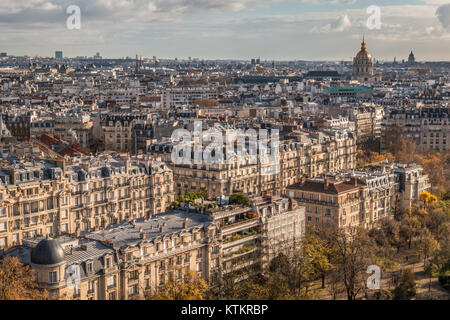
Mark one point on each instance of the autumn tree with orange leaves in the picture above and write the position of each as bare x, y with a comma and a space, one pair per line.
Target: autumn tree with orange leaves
17, 282
192, 287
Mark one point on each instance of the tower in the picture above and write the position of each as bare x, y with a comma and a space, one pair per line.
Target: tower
138, 66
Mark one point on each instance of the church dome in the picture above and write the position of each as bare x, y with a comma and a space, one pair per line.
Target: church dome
47, 252
363, 54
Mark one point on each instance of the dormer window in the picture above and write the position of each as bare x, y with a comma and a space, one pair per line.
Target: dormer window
107, 262
89, 267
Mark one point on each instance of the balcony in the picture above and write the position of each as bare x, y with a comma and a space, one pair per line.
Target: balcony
240, 253
231, 228
232, 241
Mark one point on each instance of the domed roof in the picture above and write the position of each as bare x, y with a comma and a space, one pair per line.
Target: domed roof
363, 54
47, 252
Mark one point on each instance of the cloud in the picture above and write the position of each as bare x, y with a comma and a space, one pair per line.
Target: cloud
341, 24
50, 11
443, 14
173, 28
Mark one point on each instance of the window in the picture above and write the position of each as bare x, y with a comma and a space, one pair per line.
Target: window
112, 296
134, 275
108, 262
147, 270
89, 267
91, 286
2, 226
3, 242
133, 289
111, 281
53, 276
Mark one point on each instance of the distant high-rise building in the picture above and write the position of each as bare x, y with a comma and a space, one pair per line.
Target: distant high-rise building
138, 66
3, 55
58, 54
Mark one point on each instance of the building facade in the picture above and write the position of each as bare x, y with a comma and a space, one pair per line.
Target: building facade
54, 198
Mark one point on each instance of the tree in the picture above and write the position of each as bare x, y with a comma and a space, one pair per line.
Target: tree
427, 197
428, 270
407, 286
317, 251
335, 286
410, 227
251, 289
446, 196
427, 245
17, 282
192, 287
352, 254
240, 198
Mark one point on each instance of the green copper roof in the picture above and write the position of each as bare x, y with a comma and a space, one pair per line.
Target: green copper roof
349, 89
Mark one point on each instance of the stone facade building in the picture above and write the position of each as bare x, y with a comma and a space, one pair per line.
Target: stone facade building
130, 261
428, 126
55, 197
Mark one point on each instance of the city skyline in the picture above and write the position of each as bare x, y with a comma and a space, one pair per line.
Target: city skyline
272, 30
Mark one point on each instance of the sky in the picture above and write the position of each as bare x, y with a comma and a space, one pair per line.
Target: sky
228, 29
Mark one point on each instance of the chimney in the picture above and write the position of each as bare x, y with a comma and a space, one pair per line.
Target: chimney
161, 228
84, 247
142, 235
185, 223
354, 181
326, 183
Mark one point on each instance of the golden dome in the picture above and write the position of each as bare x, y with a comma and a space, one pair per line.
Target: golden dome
363, 54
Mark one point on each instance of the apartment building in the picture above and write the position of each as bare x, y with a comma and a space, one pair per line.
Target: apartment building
130, 261
367, 121
330, 203
173, 97
300, 153
127, 261
75, 128
353, 198
18, 124
54, 197
125, 133
252, 236
412, 182
428, 126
